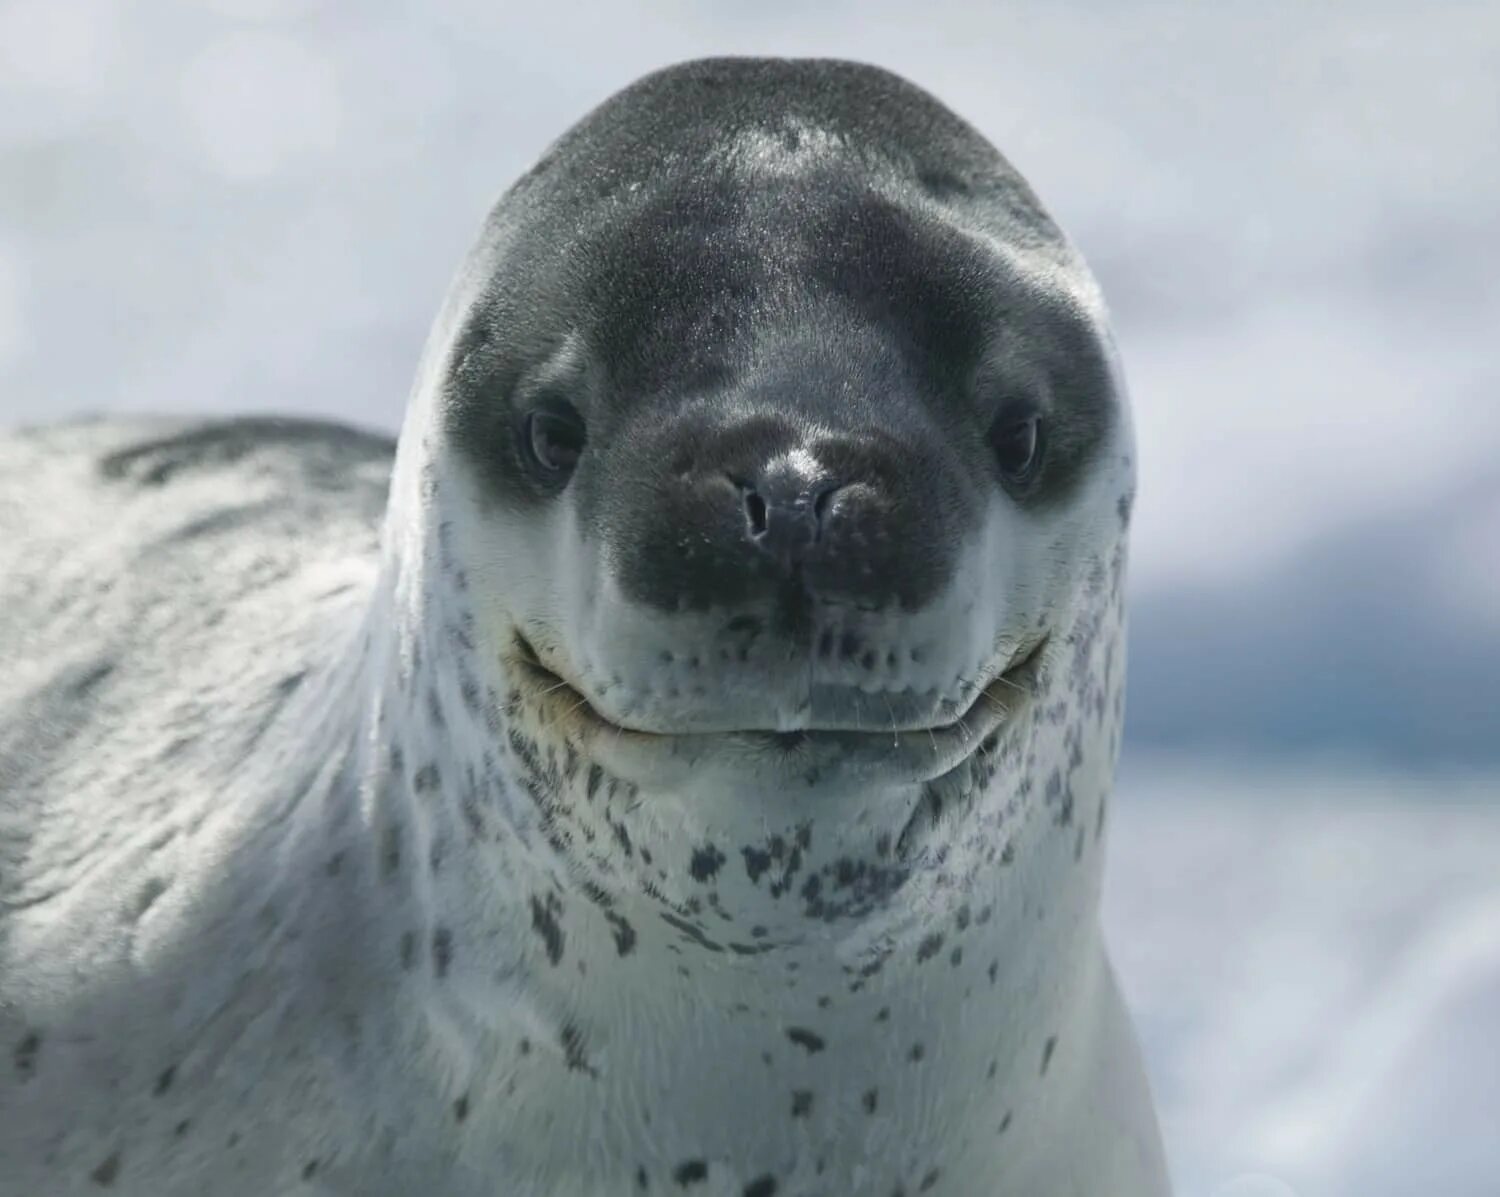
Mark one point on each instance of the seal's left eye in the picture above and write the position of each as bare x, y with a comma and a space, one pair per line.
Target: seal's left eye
1017, 440
553, 438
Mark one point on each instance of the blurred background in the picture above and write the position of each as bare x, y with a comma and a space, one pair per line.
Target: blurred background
1294, 209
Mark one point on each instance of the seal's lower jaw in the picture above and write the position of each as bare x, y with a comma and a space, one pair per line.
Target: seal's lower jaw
891, 753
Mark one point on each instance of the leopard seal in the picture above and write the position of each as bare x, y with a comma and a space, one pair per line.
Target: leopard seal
690, 779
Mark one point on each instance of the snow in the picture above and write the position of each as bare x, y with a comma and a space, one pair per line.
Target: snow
1313, 959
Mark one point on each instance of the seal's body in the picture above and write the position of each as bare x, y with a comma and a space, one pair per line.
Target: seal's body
698, 787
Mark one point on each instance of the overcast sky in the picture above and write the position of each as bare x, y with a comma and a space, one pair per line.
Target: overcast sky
256, 204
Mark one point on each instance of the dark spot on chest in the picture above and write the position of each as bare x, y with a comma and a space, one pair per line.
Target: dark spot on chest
929, 1180
1047, 1049
468, 688
574, 1053
761, 1186
809, 1041
390, 850
544, 921
442, 951
802, 1100
690, 1172
756, 863
597, 894
164, 1081
25, 1055
705, 863
469, 804
691, 931
623, 932
930, 946
104, 1175
461, 1108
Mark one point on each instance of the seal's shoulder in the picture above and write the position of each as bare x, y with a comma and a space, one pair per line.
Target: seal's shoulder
171, 593
160, 573
165, 588
138, 553
89, 505
149, 450
313, 452
51, 473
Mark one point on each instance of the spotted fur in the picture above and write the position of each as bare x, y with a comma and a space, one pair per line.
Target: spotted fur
311, 882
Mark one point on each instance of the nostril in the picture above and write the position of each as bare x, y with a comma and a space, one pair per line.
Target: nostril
755, 510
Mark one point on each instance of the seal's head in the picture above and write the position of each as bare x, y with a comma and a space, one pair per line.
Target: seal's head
755, 567
777, 427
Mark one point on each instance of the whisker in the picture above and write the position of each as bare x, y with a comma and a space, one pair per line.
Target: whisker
895, 735
577, 706
995, 702
550, 689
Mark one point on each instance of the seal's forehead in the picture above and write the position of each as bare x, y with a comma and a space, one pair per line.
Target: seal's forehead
767, 119
700, 269
721, 263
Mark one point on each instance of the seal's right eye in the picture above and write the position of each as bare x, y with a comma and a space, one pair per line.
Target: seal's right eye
552, 438
1016, 438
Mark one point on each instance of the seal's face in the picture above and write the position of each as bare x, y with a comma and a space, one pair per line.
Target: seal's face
793, 419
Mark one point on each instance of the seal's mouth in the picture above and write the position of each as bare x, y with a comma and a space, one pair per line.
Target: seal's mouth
1013, 683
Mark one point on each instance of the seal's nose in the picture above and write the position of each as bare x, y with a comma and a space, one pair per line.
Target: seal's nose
785, 509
819, 513
761, 509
